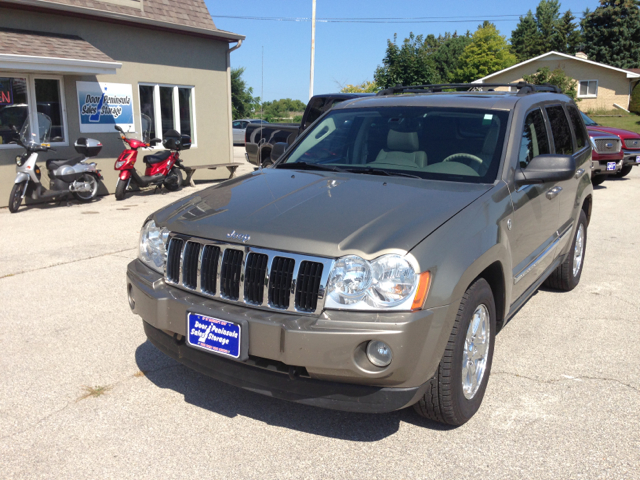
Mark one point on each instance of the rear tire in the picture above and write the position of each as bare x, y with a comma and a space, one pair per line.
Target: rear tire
567, 276
598, 179
15, 197
91, 194
121, 189
625, 171
174, 186
450, 397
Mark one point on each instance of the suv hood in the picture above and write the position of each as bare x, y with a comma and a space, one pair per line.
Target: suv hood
320, 213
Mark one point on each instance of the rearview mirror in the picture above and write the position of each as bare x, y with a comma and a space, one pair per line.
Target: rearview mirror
119, 128
278, 150
154, 141
546, 168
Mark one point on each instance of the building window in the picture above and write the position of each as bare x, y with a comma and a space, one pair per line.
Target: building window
588, 89
169, 107
34, 104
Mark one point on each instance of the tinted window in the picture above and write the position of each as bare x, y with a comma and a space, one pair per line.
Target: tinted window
578, 128
534, 138
560, 129
314, 111
237, 124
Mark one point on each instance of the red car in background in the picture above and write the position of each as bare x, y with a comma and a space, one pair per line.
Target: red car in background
607, 156
630, 144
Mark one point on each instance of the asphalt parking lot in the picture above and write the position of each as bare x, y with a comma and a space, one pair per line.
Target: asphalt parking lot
84, 395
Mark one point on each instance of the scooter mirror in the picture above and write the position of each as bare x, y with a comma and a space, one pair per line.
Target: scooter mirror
119, 128
154, 141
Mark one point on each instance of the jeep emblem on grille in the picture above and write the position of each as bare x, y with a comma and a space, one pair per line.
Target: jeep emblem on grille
239, 236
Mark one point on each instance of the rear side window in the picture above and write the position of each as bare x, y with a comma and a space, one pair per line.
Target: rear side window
560, 129
534, 138
314, 110
578, 127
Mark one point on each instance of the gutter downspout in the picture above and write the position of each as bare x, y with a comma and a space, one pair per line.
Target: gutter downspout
229, 109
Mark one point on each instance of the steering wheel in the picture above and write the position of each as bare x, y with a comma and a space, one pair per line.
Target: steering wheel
457, 156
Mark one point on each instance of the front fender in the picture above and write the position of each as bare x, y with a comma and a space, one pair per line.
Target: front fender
125, 175
21, 177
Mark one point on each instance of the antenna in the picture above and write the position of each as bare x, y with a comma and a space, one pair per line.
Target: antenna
313, 46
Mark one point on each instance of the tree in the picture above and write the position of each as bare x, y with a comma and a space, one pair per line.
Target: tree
242, 101
364, 87
612, 33
410, 64
634, 102
487, 53
279, 109
557, 77
447, 56
525, 39
547, 19
567, 38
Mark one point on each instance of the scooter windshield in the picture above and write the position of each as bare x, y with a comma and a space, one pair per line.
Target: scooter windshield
146, 124
43, 133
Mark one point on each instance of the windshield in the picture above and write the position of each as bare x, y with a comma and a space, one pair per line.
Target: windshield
587, 121
453, 144
145, 123
43, 135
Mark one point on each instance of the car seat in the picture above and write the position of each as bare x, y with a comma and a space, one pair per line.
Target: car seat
402, 149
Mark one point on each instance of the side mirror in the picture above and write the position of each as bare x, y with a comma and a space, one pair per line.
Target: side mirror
278, 150
154, 141
546, 168
119, 128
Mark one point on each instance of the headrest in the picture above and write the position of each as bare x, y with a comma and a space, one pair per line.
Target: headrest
402, 141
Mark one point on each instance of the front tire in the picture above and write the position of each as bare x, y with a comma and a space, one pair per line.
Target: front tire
456, 390
567, 276
121, 189
598, 179
626, 170
15, 197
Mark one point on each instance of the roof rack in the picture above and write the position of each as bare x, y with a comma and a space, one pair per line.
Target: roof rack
523, 88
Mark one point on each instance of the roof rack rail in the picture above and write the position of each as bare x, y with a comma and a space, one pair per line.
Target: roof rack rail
523, 88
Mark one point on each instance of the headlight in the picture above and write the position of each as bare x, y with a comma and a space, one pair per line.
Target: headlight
153, 245
119, 163
19, 160
388, 282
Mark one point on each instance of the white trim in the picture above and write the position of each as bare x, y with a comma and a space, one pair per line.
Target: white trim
30, 79
587, 95
58, 65
572, 57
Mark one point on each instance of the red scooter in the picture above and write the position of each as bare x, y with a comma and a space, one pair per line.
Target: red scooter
163, 168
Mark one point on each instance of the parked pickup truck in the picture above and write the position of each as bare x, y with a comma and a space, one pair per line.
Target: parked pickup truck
607, 156
259, 139
370, 268
630, 144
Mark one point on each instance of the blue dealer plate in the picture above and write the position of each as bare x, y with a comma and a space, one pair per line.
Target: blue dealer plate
213, 335
611, 165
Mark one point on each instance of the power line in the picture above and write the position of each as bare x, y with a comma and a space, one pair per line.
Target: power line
457, 19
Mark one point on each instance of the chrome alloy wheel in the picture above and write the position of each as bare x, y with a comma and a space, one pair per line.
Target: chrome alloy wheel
476, 351
578, 251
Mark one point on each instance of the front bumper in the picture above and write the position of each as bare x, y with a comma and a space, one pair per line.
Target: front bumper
631, 157
599, 167
328, 349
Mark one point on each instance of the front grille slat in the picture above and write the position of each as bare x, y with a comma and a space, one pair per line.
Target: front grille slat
190, 265
605, 145
308, 286
255, 274
280, 282
230, 274
266, 279
173, 259
209, 272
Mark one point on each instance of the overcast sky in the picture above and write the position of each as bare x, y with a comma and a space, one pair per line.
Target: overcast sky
346, 52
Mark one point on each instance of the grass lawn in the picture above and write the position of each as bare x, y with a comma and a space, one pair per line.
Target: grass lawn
628, 121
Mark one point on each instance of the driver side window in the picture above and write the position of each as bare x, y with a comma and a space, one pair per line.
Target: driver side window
534, 138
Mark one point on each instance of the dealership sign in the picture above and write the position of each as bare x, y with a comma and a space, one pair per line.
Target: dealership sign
103, 105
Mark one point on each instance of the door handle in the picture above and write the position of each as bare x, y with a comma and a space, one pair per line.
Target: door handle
551, 194
579, 172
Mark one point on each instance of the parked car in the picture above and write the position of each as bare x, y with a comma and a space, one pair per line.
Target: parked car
630, 144
259, 140
371, 266
239, 127
606, 155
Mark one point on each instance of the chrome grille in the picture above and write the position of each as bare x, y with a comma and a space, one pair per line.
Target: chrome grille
632, 143
607, 145
257, 277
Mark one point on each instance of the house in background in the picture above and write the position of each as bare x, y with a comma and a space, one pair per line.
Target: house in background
600, 86
61, 60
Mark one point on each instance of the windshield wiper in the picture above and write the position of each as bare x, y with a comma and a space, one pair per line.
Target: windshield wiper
309, 166
380, 171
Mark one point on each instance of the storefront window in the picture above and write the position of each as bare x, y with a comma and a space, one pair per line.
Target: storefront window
46, 114
174, 105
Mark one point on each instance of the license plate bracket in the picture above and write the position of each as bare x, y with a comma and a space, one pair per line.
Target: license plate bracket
218, 336
611, 166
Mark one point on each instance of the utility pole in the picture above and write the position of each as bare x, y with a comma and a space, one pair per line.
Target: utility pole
313, 45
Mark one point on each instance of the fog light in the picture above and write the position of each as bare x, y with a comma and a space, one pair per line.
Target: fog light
379, 353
